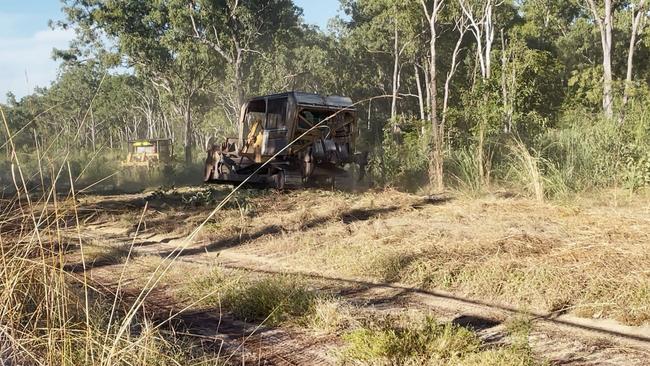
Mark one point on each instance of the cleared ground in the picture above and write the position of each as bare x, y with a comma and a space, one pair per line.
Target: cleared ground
319, 277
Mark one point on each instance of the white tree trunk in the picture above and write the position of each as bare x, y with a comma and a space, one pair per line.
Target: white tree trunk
462, 29
436, 167
489, 38
418, 83
636, 30
605, 25
393, 106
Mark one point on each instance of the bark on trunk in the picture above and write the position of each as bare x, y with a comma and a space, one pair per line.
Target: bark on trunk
630, 55
436, 168
605, 25
489, 38
608, 97
188, 134
427, 83
239, 89
393, 105
462, 29
418, 83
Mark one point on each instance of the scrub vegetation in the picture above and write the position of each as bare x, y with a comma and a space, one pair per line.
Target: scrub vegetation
504, 218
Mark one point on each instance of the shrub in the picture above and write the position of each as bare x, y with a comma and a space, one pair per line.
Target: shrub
424, 342
273, 300
403, 157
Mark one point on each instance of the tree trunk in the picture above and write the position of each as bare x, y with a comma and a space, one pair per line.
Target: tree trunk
239, 90
393, 106
630, 55
188, 133
489, 38
608, 97
605, 25
427, 83
436, 168
462, 29
418, 83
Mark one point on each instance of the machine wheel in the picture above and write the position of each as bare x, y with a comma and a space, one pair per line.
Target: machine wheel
279, 180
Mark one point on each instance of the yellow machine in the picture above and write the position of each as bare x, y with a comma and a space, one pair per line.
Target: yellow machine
149, 153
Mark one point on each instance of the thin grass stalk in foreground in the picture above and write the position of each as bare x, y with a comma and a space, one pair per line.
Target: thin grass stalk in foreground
52, 295
174, 254
83, 260
119, 282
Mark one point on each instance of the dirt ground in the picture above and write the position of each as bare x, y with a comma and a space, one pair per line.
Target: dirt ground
580, 271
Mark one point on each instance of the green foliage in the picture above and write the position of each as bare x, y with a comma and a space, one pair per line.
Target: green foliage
212, 196
425, 341
190, 66
463, 170
526, 167
587, 154
403, 157
272, 300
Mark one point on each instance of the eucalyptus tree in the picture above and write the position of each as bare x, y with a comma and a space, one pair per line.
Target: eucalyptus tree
151, 37
604, 19
389, 34
238, 32
432, 12
639, 18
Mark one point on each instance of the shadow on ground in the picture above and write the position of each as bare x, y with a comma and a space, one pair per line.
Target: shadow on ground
347, 218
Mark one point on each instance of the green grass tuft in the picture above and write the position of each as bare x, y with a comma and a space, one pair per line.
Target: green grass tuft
425, 342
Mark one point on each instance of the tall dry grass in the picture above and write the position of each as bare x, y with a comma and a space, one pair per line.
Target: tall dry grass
49, 316
526, 168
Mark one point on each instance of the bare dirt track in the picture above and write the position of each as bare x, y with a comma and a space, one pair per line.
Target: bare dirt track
579, 270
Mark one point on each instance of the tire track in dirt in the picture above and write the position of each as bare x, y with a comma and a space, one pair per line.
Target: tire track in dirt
239, 342
562, 339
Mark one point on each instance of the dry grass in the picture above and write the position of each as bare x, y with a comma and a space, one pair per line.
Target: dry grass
51, 317
585, 258
588, 258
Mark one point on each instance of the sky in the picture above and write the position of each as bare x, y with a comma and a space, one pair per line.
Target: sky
26, 41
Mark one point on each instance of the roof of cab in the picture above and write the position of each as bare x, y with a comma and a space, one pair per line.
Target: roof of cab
311, 99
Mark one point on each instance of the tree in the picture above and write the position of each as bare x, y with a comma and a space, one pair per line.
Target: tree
605, 25
461, 26
481, 20
637, 26
437, 158
236, 31
151, 37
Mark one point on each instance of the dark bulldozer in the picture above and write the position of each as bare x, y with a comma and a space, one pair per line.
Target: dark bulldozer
303, 138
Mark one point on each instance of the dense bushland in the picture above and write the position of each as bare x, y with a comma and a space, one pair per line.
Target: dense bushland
532, 106
545, 98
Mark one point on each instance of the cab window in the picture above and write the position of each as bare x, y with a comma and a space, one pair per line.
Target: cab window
276, 114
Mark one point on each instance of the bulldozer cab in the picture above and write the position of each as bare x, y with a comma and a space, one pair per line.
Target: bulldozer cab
264, 127
149, 153
270, 123
287, 139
